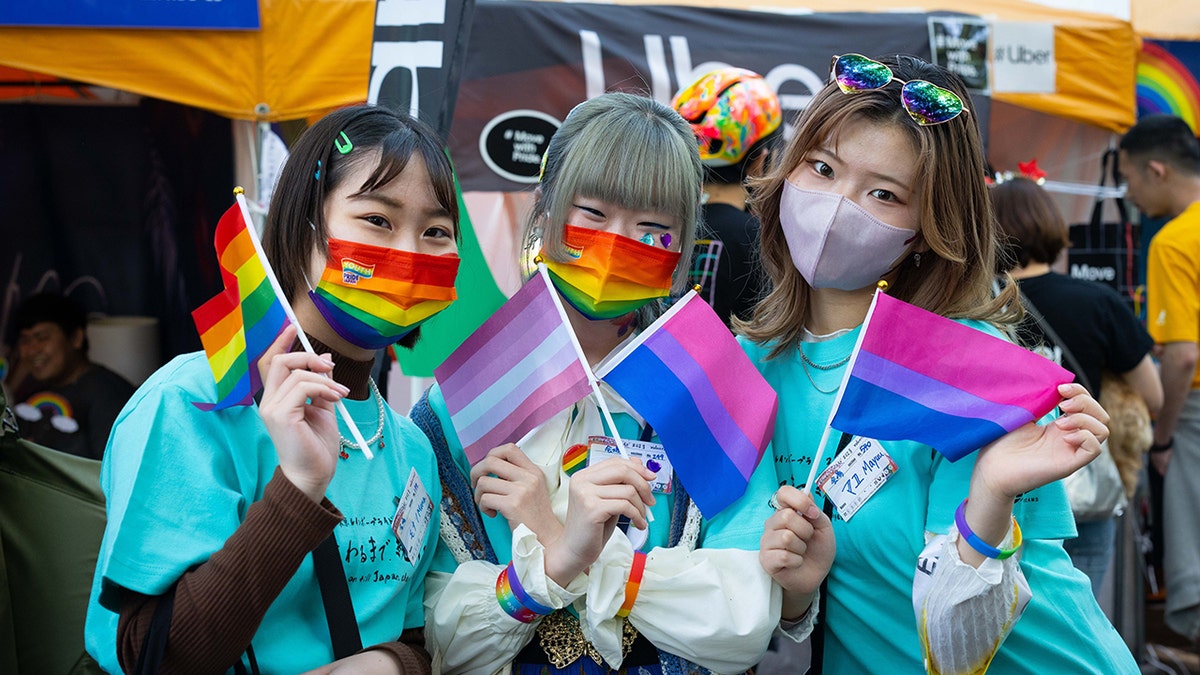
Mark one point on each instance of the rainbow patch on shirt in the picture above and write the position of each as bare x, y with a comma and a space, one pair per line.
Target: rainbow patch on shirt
50, 403
353, 270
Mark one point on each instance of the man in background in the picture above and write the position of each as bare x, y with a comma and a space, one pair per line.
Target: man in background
67, 402
1160, 163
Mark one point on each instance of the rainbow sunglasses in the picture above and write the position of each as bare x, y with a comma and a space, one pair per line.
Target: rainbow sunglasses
924, 101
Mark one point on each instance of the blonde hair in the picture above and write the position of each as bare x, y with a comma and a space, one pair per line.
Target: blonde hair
628, 150
955, 276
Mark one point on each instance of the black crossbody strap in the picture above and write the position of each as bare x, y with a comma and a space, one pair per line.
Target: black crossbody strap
335, 594
818, 636
155, 646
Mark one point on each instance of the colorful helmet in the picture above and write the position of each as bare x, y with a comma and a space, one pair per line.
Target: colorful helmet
730, 109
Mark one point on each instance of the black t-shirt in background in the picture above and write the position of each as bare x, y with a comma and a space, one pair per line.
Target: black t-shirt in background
1092, 319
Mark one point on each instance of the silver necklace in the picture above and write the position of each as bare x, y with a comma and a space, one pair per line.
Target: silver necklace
805, 362
347, 444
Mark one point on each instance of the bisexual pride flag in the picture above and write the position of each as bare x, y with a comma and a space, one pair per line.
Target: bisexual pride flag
238, 324
713, 411
514, 372
918, 376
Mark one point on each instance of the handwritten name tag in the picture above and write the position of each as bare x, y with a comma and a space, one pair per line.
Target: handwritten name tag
412, 517
652, 455
857, 473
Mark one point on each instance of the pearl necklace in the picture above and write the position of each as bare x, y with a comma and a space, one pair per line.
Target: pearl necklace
347, 443
805, 362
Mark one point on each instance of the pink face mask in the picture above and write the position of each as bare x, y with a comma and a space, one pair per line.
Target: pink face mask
836, 243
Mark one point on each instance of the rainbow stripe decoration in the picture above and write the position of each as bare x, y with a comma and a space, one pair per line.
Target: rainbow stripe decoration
714, 412
515, 601
517, 370
575, 458
921, 377
238, 324
1165, 85
610, 275
52, 404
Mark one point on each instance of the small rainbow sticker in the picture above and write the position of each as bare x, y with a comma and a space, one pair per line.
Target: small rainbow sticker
1165, 85
50, 403
575, 458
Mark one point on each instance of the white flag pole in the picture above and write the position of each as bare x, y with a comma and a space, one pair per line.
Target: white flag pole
291, 315
820, 451
595, 383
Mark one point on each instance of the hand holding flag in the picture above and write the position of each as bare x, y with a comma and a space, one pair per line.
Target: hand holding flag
238, 325
918, 376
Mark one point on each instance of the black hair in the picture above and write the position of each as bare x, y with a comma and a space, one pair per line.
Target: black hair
60, 310
1165, 138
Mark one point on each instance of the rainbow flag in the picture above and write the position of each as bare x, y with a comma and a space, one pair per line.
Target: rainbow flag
713, 411
238, 324
514, 372
921, 377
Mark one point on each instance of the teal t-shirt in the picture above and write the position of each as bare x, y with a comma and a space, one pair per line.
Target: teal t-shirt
738, 526
869, 621
178, 482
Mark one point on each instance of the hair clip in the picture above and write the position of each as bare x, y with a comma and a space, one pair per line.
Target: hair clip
317, 175
542, 167
342, 143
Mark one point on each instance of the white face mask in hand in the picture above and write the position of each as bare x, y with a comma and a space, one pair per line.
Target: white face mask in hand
836, 243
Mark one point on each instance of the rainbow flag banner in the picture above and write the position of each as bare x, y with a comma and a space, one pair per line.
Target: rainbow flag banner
514, 372
713, 411
918, 376
238, 324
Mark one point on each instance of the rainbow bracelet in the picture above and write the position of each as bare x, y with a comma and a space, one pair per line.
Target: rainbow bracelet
984, 548
514, 600
634, 584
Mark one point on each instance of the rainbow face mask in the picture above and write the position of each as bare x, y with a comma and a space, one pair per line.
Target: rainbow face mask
372, 295
610, 275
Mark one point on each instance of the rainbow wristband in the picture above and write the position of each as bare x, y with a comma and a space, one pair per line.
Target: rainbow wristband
984, 548
514, 600
634, 584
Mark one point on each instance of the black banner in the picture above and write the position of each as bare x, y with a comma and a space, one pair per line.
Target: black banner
416, 57
529, 63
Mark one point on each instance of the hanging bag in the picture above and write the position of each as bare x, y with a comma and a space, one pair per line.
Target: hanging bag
1107, 251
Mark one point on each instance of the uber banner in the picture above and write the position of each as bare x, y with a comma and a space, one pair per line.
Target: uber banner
529, 63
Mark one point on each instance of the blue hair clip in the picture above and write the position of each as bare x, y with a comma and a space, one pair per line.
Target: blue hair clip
317, 175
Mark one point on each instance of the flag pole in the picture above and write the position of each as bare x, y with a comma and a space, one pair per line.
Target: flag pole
595, 383
820, 452
291, 315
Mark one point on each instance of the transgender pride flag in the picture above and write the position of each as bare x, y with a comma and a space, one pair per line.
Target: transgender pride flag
921, 377
514, 372
687, 376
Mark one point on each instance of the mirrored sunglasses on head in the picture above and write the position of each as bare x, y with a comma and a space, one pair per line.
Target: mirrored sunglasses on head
925, 102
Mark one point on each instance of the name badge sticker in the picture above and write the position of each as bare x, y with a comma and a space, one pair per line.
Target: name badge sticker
412, 517
857, 474
652, 455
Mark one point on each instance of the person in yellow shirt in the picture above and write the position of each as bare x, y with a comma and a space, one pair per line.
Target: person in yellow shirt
1160, 163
